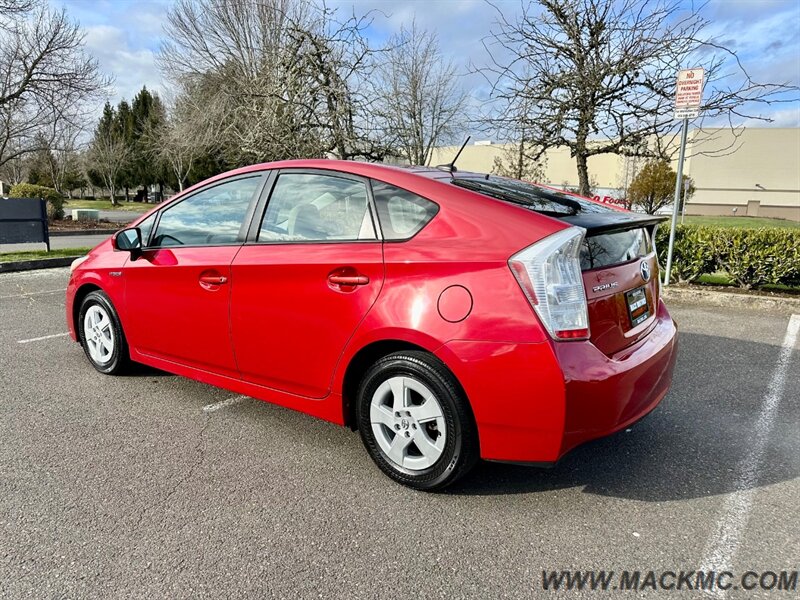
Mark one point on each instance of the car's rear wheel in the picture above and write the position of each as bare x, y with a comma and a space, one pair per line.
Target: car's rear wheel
415, 421
101, 334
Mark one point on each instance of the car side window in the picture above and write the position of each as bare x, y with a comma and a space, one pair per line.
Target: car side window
211, 217
307, 207
402, 214
146, 227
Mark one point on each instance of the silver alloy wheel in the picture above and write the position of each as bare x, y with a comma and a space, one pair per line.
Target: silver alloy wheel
408, 423
98, 333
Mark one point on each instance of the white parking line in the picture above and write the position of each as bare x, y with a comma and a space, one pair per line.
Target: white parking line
26, 294
724, 542
225, 403
44, 337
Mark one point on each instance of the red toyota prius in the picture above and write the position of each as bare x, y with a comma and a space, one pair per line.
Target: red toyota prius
446, 316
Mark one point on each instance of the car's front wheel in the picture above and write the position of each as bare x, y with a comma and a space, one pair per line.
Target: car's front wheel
415, 421
101, 334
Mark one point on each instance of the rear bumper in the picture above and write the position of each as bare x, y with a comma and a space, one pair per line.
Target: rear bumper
535, 402
605, 394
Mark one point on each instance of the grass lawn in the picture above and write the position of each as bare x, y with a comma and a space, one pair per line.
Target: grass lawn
722, 279
716, 279
740, 222
138, 207
39, 254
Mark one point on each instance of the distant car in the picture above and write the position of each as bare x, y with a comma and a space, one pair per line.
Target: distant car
447, 316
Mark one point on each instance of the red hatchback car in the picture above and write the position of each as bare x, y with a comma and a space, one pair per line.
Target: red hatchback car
447, 316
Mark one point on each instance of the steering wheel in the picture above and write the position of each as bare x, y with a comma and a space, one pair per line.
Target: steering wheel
164, 237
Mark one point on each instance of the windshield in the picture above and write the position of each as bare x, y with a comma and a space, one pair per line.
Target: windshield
530, 195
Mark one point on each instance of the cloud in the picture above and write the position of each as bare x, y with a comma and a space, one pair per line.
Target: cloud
787, 117
130, 66
125, 35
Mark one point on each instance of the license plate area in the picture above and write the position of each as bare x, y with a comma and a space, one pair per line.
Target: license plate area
638, 309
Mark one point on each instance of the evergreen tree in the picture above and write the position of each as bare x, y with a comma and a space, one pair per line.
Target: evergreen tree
125, 126
149, 117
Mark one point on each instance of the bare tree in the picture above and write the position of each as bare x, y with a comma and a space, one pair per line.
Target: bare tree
60, 152
108, 155
232, 61
15, 170
178, 142
516, 161
520, 159
422, 101
272, 79
45, 76
338, 65
10, 7
176, 150
599, 75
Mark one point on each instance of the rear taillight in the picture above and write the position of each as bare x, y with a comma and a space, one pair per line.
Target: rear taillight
549, 273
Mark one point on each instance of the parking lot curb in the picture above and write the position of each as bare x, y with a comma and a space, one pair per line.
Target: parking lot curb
42, 263
83, 232
729, 299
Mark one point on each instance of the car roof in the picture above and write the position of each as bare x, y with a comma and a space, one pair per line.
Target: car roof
349, 166
410, 176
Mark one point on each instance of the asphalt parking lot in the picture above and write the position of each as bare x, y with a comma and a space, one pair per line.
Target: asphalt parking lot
155, 486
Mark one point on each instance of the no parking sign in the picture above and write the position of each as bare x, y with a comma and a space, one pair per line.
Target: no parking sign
689, 93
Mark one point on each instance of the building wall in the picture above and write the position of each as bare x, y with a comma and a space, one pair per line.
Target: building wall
725, 171
767, 157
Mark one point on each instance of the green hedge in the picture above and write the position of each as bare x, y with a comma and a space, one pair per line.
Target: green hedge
55, 201
751, 257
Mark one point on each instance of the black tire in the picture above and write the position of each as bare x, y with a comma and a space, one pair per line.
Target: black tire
460, 446
119, 360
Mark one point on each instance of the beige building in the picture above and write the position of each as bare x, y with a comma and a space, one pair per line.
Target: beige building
757, 174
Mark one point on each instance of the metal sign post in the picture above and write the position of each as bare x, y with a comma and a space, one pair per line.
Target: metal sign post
688, 96
683, 204
677, 201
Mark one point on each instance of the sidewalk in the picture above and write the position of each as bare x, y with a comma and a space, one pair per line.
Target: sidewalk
58, 242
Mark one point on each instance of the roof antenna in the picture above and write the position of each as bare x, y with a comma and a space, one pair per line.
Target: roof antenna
451, 166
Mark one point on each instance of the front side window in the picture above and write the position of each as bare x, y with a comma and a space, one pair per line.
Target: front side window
211, 217
402, 214
307, 207
146, 227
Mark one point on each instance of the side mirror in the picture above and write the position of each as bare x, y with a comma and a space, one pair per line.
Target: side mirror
128, 240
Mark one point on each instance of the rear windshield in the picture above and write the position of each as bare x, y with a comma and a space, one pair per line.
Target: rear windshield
598, 251
535, 197
614, 248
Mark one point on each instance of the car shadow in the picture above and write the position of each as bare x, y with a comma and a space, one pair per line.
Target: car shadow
140, 370
689, 447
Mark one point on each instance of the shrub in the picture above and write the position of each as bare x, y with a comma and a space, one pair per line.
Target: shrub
55, 201
692, 253
751, 257
758, 257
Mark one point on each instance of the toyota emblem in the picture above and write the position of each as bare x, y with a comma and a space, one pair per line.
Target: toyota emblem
645, 270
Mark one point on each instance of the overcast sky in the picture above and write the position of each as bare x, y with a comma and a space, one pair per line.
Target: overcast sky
124, 35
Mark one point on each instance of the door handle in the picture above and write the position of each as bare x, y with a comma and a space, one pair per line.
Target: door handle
213, 279
348, 279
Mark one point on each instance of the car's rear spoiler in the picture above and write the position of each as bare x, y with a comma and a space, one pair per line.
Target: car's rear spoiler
606, 222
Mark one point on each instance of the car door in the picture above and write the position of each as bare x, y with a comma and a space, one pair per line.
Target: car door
312, 268
178, 290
